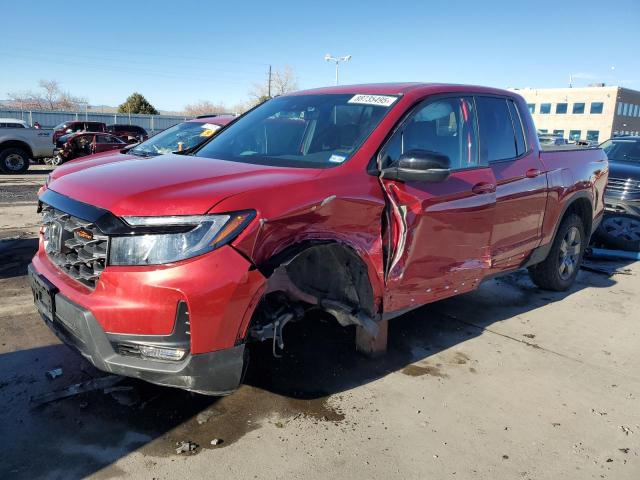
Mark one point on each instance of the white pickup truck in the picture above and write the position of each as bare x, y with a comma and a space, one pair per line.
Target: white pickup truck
19, 144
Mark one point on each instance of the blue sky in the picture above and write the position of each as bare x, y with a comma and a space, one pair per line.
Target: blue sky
177, 52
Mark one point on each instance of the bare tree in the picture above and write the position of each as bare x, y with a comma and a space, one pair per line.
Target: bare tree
51, 91
202, 107
283, 80
51, 97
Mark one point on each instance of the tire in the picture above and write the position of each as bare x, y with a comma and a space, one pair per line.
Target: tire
559, 270
56, 160
620, 231
14, 161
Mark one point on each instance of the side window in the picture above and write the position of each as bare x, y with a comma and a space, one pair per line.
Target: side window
516, 120
497, 139
446, 126
104, 139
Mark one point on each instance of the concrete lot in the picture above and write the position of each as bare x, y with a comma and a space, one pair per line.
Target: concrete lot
509, 382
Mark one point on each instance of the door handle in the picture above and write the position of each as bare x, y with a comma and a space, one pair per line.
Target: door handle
533, 173
483, 187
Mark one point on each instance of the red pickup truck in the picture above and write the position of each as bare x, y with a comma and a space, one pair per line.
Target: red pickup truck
364, 201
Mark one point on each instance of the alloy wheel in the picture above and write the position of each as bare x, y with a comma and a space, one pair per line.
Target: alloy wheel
14, 162
570, 250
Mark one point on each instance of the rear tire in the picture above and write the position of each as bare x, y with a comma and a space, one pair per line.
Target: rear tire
14, 161
559, 270
620, 231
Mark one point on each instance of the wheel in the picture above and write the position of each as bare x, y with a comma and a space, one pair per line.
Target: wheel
620, 231
55, 160
560, 268
14, 161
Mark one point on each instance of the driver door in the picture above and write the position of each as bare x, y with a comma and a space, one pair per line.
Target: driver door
437, 235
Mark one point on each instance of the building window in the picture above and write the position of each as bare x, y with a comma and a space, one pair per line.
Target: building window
616, 133
542, 130
596, 107
531, 107
574, 134
636, 113
625, 109
619, 108
561, 108
559, 133
545, 108
578, 108
593, 135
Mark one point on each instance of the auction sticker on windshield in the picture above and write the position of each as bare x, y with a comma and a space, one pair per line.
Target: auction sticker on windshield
209, 129
380, 100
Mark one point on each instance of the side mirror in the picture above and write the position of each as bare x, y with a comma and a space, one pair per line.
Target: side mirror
419, 166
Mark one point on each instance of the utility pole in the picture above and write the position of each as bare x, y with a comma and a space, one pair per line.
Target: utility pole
329, 58
269, 83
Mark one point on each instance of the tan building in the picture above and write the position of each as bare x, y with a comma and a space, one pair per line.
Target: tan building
594, 113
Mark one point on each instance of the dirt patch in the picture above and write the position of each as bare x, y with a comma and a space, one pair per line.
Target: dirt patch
248, 409
420, 370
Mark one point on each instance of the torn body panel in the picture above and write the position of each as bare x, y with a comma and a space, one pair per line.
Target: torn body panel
441, 238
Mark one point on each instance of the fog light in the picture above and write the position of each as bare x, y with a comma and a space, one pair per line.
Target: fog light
162, 353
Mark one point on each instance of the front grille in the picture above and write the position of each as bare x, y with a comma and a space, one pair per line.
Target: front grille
624, 185
74, 245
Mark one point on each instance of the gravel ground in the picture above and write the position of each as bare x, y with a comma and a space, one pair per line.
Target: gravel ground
506, 382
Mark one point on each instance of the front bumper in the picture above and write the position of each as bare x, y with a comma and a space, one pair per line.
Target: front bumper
618, 205
214, 373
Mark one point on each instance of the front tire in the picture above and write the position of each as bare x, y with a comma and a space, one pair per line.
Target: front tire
14, 161
559, 270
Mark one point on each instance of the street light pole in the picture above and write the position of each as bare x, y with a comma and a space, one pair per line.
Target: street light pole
329, 58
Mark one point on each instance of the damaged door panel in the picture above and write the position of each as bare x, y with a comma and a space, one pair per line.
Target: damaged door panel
440, 232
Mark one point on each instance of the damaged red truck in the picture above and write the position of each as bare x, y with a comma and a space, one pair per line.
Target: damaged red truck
364, 201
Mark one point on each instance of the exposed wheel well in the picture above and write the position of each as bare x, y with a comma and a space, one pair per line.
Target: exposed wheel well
583, 208
16, 144
329, 276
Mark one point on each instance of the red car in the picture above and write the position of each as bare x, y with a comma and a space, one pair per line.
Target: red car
180, 138
66, 128
362, 201
77, 145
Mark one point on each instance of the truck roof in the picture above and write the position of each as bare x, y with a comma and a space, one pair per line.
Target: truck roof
404, 88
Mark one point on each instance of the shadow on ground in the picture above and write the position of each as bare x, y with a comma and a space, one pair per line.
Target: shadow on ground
15, 255
80, 435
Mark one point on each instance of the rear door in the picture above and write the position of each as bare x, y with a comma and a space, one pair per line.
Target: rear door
521, 193
437, 235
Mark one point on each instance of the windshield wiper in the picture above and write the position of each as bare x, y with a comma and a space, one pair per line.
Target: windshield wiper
140, 153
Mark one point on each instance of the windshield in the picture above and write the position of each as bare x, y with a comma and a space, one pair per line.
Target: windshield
622, 150
180, 137
301, 131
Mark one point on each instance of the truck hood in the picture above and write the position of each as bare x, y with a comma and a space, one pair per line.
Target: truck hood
170, 184
624, 170
92, 161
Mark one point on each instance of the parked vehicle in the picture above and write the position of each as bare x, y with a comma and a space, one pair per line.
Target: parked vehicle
547, 139
361, 201
621, 227
128, 133
77, 126
75, 145
188, 136
19, 144
13, 123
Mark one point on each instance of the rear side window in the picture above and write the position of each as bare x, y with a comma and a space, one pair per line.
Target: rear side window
497, 139
518, 129
95, 127
446, 126
104, 139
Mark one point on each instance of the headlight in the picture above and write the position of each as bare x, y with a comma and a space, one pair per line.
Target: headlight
202, 234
